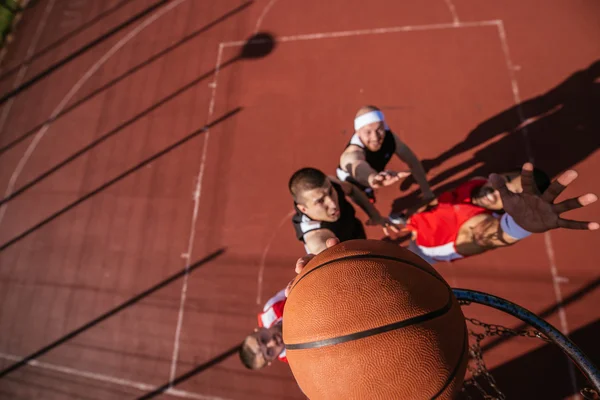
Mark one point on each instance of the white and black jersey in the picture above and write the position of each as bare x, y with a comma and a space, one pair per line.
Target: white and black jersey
347, 227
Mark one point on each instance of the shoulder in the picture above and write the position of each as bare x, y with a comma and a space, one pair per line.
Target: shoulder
305, 223
353, 152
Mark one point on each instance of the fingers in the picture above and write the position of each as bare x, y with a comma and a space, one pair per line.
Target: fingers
394, 228
557, 187
570, 224
386, 232
499, 183
403, 174
302, 261
332, 242
527, 179
390, 181
288, 288
572, 204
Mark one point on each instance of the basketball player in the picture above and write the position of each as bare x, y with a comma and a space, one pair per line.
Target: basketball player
527, 206
482, 214
265, 344
370, 149
322, 211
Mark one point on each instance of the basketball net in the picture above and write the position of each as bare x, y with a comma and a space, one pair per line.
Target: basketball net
481, 384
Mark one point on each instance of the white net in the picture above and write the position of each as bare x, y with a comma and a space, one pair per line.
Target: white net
479, 382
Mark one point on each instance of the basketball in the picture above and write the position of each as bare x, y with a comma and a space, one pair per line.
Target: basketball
367, 319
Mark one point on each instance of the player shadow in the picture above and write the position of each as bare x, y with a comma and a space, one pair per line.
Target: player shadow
561, 129
258, 46
544, 373
118, 178
573, 297
191, 373
112, 312
124, 75
82, 50
64, 38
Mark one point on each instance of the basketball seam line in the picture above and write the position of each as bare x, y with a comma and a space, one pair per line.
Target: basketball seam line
374, 331
371, 256
458, 364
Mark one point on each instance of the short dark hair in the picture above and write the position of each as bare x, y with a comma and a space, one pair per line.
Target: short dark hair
305, 179
540, 178
247, 356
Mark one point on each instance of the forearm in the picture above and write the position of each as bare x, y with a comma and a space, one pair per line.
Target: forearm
416, 168
362, 173
361, 200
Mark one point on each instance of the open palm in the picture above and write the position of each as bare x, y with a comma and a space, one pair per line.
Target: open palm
536, 212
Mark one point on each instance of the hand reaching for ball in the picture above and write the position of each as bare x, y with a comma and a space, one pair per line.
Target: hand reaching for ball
302, 261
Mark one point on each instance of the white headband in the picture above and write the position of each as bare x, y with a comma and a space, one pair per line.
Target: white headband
368, 118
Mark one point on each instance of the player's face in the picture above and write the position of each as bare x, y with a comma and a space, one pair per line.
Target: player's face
269, 344
372, 135
490, 199
321, 204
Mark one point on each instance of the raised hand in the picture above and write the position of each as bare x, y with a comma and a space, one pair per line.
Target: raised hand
536, 212
302, 261
387, 178
385, 223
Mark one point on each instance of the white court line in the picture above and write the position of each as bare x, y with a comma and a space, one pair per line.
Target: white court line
373, 31
90, 72
26, 64
144, 387
197, 194
261, 268
452, 9
263, 14
562, 315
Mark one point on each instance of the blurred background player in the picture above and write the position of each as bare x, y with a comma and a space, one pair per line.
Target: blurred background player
370, 149
322, 211
265, 344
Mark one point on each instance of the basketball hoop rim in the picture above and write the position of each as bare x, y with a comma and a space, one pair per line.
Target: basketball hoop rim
575, 354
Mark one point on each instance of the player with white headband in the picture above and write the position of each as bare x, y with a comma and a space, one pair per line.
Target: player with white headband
370, 149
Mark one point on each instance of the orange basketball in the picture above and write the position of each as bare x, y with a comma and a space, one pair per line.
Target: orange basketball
370, 320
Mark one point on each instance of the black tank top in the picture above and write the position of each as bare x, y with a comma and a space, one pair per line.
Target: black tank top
380, 158
347, 227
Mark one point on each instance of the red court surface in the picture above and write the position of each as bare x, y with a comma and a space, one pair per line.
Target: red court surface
121, 199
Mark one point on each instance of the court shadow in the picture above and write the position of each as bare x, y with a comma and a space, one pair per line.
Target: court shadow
547, 312
64, 38
118, 178
64, 61
543, 373
124, 75
110, 313
561, 128
191, 373
258, 46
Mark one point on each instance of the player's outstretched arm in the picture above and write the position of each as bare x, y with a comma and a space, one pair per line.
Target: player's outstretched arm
534, 212
408, 156
353, 161
361, 200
